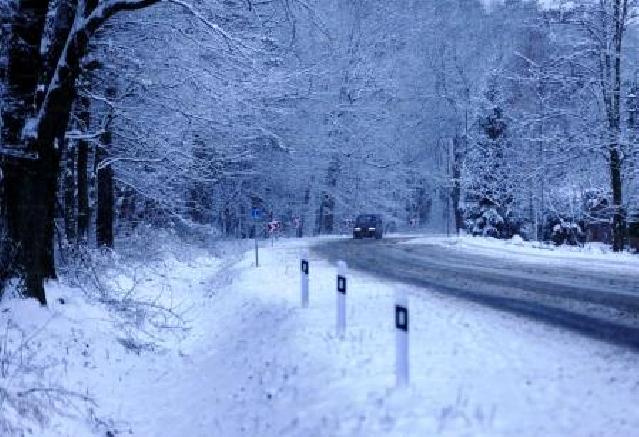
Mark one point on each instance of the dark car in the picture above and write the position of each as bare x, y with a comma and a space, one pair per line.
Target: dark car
368, 226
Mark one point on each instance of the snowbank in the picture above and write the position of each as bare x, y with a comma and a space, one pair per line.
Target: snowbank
65, 369
591, 255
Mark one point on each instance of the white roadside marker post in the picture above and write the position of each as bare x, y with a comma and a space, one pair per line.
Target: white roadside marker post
401, 329
256, 215
257, 256
304, 279
341, 298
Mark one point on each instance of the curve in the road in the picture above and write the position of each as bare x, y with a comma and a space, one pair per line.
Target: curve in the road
598, 313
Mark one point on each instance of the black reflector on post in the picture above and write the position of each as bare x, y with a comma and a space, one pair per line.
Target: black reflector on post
341, 284
401, 318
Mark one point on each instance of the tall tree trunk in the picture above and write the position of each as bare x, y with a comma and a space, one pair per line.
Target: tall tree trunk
104, 216
618, 219
27, 181
105, 194
456, 176
30, 188
82, 174
69, 193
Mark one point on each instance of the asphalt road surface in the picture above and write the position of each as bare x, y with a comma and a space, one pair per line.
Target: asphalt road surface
593, 302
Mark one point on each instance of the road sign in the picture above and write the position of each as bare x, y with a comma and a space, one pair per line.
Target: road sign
257, 213
274, 226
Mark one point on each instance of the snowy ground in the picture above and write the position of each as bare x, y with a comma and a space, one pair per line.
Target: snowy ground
256, 364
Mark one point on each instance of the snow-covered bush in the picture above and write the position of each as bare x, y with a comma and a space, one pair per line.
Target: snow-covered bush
489, 224
28, 398
597, 215
567, 232
489, 221
116, 279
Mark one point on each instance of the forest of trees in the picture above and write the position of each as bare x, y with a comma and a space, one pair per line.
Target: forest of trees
501, 118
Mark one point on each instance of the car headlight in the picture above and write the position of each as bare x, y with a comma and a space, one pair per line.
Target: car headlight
358, 229
371, 229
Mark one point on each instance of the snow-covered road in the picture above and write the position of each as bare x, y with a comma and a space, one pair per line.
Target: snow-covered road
260, 365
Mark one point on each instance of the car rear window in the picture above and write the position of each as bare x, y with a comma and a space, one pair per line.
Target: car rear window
367, 219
